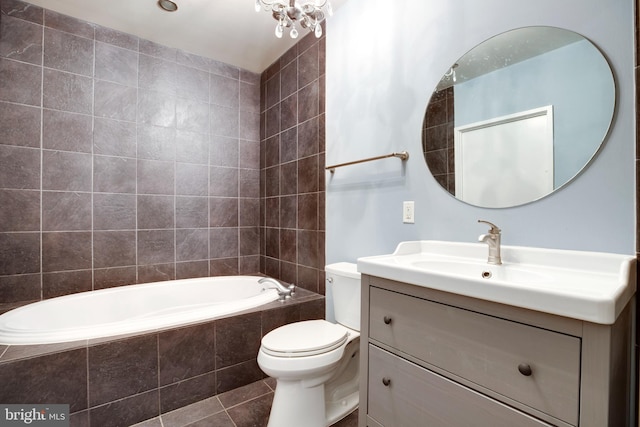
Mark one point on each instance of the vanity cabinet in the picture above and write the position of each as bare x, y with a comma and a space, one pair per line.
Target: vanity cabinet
431, 358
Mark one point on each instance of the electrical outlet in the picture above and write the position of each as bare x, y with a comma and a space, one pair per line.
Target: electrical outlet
408, 212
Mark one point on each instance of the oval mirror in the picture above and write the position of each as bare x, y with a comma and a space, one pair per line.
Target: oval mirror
518, 116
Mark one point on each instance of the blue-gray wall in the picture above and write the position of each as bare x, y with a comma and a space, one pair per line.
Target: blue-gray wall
383, 63
575, 79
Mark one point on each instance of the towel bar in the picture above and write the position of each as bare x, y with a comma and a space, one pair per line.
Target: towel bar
403, 155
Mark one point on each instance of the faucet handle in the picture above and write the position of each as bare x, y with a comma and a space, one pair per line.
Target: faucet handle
494, 228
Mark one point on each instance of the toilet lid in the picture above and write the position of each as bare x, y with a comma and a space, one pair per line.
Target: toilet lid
304, 339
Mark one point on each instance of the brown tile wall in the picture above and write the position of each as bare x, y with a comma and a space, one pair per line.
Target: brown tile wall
121, 161
292, 223
128, 380
438, 136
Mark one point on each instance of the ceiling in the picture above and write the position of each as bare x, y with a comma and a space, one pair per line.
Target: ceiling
229, 31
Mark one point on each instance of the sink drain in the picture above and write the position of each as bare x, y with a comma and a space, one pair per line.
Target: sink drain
486, 274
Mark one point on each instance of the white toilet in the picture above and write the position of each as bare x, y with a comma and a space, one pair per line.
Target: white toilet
316, 362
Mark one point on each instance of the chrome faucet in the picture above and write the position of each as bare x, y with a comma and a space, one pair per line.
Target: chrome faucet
284, 291
492, 238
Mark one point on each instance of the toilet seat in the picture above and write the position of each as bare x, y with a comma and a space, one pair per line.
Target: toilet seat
307, 338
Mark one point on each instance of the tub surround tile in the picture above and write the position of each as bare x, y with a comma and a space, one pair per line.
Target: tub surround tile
156, 273
122, 368
20, 125
156, 108
232, 377
20, 289
192, 212
27, 202
114, 211
114, 248
19, 253
16, 353
59, 377
66, 282
67, 52
66, 211
192, 115
192, 244
21, 40
114, 174
22, 10
190, 269
155, 212
156, 143
68, 24
116, 38
115, 101
19, 167
249, 241
114, 138
20, 83
186, 352
156, 177
223, 212
237, 339
66, 171
191, 179
223, 243
67, 131
186, 392
66, 251
274, 318
111, 277
193, 82
116, 64
192, 147
156, 247
67, 92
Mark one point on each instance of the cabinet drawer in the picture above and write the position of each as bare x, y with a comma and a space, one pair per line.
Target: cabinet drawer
484, 350
413, 396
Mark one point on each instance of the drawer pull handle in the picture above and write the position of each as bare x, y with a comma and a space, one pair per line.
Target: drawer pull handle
525, 369
387, 320
386, 381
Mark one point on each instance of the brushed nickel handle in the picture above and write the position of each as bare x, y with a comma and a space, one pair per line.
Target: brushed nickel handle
386, 381
387, 320
525, 369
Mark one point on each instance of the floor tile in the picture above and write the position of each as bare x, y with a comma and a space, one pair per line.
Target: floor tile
242, 394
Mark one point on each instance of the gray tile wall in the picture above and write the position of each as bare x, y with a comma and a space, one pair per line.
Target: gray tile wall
293, 160
121, 161
438, 136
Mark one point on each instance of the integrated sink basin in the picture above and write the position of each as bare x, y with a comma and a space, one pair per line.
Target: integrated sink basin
590, 286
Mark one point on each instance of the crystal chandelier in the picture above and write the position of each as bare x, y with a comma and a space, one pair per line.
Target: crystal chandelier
289, 12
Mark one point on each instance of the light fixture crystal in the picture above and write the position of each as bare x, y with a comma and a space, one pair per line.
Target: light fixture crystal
308, 15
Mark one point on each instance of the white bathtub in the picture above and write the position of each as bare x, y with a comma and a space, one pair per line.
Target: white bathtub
131, 309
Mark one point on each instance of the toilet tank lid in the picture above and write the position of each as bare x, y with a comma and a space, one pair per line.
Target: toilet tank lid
347, 269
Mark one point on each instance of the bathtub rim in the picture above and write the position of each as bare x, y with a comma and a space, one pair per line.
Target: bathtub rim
70, 338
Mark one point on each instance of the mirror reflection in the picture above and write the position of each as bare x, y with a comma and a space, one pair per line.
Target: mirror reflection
518, 116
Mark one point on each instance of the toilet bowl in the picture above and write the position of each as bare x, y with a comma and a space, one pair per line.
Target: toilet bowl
316, 362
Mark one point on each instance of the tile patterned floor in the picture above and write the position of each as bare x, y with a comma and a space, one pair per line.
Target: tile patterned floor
246, 406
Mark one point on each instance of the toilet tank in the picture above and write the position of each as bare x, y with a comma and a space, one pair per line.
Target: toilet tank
345, 281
